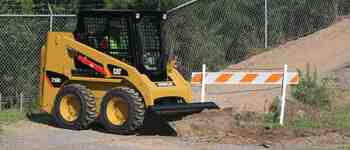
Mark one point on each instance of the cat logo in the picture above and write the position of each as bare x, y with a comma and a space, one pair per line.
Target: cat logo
117, 71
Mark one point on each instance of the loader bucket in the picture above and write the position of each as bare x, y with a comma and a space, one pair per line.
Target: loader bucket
181, 110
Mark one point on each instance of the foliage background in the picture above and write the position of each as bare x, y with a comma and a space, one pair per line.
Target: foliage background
216, 32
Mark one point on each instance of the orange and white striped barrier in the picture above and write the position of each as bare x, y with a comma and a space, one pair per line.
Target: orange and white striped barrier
249, 78
269, 78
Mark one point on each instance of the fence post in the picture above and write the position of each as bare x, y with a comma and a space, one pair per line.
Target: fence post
266, 25
21, 102
284, 92
203, 82
51, 17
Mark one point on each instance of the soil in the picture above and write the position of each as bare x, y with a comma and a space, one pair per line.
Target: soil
326, 50
228, 127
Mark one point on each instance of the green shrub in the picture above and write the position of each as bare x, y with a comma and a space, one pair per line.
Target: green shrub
313, 90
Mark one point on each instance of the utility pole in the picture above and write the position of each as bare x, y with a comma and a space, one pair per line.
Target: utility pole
51, 16
266, 26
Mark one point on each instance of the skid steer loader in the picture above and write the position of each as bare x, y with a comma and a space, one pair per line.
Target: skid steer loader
112, 69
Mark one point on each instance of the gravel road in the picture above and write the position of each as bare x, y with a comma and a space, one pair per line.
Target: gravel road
30, 135
35, 136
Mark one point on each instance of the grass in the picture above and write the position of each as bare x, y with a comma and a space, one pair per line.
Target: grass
338, 118
312, 105
312, 108
320, 100
312, 116
8, 116
11, 116
270, 121
304, 123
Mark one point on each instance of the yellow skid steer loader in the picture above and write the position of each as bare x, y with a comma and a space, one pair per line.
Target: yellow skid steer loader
112, 69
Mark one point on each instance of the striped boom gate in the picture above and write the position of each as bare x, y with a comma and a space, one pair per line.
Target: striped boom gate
247, 78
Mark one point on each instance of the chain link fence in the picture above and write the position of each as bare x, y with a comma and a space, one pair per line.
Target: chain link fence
223, 32
218, 33
21, 38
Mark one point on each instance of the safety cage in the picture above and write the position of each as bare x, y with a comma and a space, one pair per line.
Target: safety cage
131, 36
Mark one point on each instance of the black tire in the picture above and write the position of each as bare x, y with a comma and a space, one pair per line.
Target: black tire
136, 111
87, 103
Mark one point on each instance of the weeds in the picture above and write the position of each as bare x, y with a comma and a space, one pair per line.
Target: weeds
270, 121
11, 116
312, 94
313, 90
304, 122
338, 118
317, 93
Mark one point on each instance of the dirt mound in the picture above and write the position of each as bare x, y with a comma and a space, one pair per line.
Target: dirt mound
326, 50
342, 77
230, 127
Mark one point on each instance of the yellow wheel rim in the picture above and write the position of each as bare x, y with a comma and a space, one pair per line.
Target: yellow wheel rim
117, 111
70, 107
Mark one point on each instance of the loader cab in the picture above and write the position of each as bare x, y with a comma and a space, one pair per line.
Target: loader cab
131, 36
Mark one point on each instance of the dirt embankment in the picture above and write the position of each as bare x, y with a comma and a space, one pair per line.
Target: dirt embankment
327, 50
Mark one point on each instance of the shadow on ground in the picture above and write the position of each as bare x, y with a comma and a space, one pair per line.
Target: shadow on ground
42, 118
153, 125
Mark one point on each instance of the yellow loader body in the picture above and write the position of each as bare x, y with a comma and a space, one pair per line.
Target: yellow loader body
114, 70
57, 57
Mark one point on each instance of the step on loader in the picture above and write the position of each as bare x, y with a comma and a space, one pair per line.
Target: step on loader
113, 69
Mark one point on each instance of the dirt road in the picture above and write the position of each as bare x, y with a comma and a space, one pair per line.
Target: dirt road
35, 136
206, 131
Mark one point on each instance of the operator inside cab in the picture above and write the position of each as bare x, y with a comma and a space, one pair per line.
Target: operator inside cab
129, 36
114, 43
